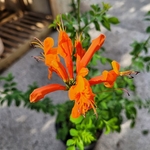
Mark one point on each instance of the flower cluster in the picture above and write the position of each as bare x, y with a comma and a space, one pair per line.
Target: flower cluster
78, 87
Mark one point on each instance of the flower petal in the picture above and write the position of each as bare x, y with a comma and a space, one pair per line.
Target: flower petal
83, 72
65, 49
58, 68
75, 113
39, 93
116, 67
99, 79
48, 44
111, 78
95, 46
79, 53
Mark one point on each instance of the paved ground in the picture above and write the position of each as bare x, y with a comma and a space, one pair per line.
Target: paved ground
22, 129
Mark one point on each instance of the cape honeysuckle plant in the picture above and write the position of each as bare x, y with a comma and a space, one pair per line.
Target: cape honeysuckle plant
76, 123
96, 97
79, 87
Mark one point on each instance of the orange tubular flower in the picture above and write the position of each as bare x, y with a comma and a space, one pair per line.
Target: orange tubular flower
65, 49
51, 59
39, 93
109, 77
95, 46
82, 94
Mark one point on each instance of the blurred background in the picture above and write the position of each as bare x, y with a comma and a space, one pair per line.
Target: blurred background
20, 21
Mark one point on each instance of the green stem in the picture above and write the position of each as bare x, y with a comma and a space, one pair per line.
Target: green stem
78, 15
73, 6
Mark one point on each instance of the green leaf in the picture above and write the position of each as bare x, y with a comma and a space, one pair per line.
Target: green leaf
137, 48
103, 60
91, 12
18, 102
132, 123
95, 7
113, 20
9, 77
52, 26
70, 142
145, 132
87, 136
106, 23
130, 111
104, 105
148, 13
9, 100
146, 59
85, 20
97, 26
71, 148
112, 121
107, 130
80, 145
76, 120
148, 29
147, 68
73, 132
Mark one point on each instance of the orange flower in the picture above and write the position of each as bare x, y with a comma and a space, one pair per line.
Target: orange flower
51, 59
95, 46
82, 94
39, 93
65, 49
109, 77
